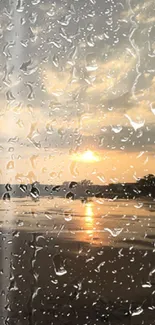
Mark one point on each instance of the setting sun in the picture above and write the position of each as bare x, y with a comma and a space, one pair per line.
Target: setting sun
87, 156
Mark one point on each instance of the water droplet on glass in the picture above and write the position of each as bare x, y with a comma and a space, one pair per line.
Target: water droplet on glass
35, 293
56, 188
59, 265
114, 232
64, 21
49, 128
99, 266
20, 223
20, 6
35, 2
135, 124
29, 67
23, 188
152, 108
73, 184
73, 169
8, 187
152, 276
117, 128
68, 218
10, 165
70, 196
55, 61
34, 193
6, 196
137, 311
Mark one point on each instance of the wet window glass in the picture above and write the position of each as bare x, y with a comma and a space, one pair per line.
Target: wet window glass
77, 149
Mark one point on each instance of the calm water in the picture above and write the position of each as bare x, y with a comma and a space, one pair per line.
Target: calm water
99, 222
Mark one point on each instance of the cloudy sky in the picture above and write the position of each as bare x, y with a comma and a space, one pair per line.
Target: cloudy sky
77, 90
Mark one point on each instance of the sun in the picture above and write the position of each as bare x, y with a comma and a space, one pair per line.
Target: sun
86, 156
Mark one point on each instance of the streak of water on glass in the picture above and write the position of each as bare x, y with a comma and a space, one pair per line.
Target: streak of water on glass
11, 80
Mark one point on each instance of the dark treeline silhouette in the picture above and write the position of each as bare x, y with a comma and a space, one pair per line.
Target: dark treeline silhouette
143, 187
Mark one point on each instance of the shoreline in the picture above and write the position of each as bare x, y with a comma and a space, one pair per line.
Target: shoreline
63, 280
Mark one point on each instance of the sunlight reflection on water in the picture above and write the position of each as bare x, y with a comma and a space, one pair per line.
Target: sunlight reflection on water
74, 220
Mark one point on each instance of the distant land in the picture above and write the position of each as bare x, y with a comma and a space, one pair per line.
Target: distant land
143, 187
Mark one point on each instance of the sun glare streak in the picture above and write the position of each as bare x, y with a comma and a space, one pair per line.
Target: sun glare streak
87, 156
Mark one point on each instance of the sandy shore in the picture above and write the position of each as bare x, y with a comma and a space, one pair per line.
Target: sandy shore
58, 282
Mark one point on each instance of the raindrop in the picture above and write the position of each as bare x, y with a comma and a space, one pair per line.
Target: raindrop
139, 205
70, 196
73, 184
23, 21
20, 6
6, 196
13, 286
64, 35
35, 193
10, 165
33, 18
56, 188
28, 67
137, 311
117, 128
90, 41
35, 293
8, 187
68, 218
51, 12
20, 223
59, 265
65, 20
16, 233
147, 285
55, 61
90, 27
99, 266
115, 232
152, 108
13, 140
31, 93
23, 188
152, 277
48, 216
73, 169
49, 128
136, 125
101, 177
6, 49
10, 26
9, 96
35, 2
25, 65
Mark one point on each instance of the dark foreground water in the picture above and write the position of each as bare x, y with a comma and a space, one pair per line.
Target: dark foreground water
65, 262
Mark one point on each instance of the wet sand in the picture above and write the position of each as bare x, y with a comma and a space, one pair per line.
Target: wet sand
53, 281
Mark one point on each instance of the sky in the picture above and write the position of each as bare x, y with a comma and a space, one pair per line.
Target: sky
77, 90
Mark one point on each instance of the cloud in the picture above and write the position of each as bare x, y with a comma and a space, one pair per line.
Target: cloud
143, 12
91, 83
111, 74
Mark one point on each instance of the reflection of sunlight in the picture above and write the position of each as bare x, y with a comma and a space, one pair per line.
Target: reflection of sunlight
89, 213
89, 232
89, 219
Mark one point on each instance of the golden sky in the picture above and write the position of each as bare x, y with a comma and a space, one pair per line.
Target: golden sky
77, 92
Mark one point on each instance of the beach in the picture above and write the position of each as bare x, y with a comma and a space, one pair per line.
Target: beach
51, 278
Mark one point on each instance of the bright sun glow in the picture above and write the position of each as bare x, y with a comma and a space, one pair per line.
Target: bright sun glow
86, 156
